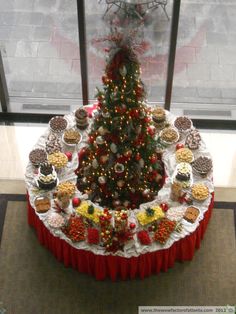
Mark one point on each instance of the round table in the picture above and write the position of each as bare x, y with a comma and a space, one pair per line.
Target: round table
137, 261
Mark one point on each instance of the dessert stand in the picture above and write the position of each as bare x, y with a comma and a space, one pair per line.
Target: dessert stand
136, 259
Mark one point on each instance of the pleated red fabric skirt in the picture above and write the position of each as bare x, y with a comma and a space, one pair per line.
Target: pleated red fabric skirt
115, 267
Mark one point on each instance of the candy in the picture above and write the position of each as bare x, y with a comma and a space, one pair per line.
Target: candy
37, 156
183, 123
58, 124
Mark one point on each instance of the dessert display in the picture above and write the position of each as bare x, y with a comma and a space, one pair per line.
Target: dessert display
122, 229
193, 139
111, 204
67, 187
58, 160
202, 165
42, 204
81, 118
184, 155
183, 123
159, 117
37, 156
58, 124
169, 135
200, 191
53, 143
71, 137
191, 214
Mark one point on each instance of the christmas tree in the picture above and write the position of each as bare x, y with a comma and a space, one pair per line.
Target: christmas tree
120, 165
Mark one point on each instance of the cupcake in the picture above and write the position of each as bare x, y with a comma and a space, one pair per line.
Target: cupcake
81, 118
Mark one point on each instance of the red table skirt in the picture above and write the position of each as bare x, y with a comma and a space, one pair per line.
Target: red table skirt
102, 267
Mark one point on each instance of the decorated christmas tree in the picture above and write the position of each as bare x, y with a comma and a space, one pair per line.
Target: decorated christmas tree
120, 167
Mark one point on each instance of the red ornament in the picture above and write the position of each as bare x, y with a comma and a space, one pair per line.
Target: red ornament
138, 157
178, 146
91, 139
76, 201
147, 119
151, 130
132, 225
69, 156
164, 207
82, 154
153, 159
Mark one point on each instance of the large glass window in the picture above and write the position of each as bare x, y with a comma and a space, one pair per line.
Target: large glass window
156, 33
39, 43
206, 59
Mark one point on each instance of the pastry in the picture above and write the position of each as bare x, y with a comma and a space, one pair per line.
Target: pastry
169, 135
184, 155
200, 191
58, 160
71, 136
67, 187
42, 204
191, 214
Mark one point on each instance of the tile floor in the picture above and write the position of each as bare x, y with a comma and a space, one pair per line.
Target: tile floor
17, 141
